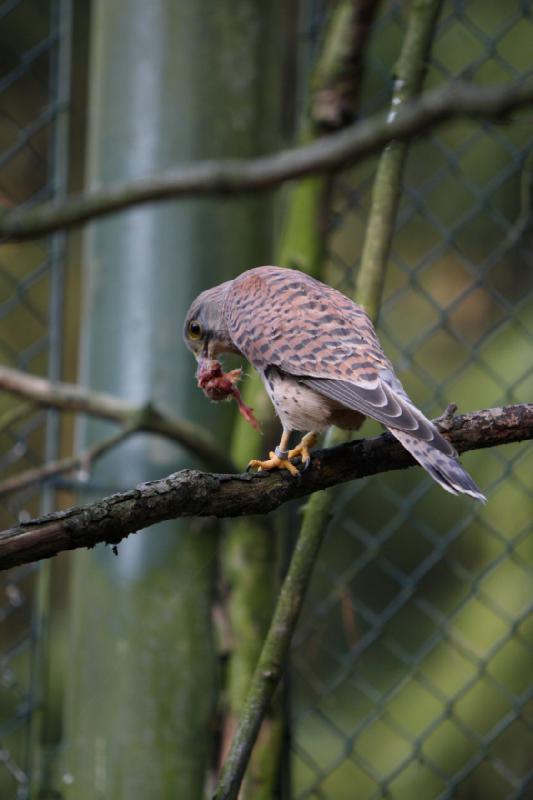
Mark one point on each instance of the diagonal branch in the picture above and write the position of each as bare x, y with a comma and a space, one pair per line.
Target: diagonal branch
147, 418
338, 75
16, 414
230, 176
192, 493
61, 465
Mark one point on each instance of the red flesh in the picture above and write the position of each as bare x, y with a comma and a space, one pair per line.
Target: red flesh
218, 385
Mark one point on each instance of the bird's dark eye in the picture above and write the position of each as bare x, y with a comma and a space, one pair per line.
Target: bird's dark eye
194, 330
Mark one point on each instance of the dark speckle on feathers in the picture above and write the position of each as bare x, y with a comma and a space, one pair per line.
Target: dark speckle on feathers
322, 364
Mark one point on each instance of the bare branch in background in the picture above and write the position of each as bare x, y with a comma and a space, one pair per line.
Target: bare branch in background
147, 418
230, 176
62, 465
192, 493
16, 414
338, 75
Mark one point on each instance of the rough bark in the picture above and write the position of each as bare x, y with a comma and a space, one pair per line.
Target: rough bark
192, 493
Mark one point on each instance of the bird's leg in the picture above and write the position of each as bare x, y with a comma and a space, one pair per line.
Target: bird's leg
302, 449
279, 458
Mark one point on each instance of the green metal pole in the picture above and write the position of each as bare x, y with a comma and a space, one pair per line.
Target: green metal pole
169, 82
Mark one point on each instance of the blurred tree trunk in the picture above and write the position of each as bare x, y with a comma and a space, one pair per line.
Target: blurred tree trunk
249, 552
169, 82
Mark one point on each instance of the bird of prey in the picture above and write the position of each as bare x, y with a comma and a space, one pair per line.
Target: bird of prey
320, 360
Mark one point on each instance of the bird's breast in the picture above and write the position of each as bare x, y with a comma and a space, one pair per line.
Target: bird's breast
303, 409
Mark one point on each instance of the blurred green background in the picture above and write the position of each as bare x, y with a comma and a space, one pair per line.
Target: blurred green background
411, 668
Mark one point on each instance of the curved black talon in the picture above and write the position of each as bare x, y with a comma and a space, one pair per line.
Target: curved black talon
306, 464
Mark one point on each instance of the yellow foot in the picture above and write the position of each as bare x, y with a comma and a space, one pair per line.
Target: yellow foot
281, 458
302, 449
274, 462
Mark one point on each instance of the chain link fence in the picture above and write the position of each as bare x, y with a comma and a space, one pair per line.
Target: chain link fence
411, 669
30, 327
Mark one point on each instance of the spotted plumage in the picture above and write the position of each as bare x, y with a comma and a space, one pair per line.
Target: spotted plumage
320, 361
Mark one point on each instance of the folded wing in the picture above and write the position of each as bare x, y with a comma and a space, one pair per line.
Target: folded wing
285, 319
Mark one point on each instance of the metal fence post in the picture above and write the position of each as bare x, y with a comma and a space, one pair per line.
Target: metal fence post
168, 82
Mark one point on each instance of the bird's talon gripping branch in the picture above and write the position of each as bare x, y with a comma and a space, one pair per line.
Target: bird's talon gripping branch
273, 462
279, 458
303, 449
306, 463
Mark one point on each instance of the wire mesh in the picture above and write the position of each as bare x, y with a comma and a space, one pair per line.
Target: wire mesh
411, 666
411, 669
30, 299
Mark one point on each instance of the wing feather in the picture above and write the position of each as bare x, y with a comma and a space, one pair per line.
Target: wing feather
397, 412
286, 319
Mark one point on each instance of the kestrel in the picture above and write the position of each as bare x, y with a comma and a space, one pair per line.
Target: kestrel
320, 360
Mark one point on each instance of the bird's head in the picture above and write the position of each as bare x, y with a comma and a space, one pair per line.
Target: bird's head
205, 331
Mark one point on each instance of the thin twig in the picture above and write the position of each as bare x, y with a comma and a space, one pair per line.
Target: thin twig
230, 176
54, 468
338, 75
147, 418
274, 653
16, 414
409, 76
192, 493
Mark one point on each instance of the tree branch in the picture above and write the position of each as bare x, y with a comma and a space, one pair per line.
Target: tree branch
337, 78
192, 493
16, 414
58, 467
230, 176
147, 418
410, 71
271, 662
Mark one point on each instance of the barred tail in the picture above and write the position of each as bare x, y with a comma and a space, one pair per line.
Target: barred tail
443, 468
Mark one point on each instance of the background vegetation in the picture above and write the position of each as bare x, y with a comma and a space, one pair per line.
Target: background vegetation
410, 669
